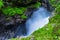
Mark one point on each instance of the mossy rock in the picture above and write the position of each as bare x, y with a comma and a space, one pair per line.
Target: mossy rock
8, 8
9, 11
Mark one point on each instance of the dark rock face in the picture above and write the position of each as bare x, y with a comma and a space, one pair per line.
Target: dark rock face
8, 25
19, 2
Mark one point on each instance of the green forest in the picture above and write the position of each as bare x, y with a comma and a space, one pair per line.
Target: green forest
51, 31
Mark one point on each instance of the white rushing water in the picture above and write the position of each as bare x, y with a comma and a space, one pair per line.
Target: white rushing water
38, 20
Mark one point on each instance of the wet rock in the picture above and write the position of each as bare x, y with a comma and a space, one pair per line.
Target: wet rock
19, 2
18, 19
8, 25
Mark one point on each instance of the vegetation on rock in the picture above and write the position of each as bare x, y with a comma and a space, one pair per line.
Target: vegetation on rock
11, 9
52, 30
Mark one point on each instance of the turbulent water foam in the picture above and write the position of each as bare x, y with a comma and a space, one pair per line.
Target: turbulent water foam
39, 19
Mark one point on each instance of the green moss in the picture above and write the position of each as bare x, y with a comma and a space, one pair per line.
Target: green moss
58, 9
9, 11
20, 10
36, 5
1, 4
23, 17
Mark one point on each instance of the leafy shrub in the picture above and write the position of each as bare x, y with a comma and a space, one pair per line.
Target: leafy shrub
9, 11
23, 17
1, 4
36, 5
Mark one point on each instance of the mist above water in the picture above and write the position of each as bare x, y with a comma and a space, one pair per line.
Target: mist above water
39, 19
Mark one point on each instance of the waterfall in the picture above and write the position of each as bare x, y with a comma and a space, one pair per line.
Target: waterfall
38, 19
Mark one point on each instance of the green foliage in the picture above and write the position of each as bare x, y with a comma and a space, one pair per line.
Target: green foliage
23, 17
58, 8
36, 5
20, 10
9, 11
56, 4
1, 4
